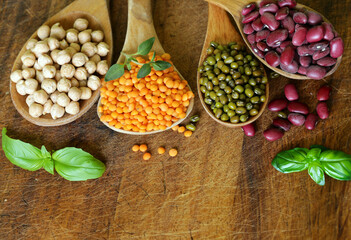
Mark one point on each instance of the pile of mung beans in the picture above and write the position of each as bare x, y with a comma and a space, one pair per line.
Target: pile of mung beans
232, 82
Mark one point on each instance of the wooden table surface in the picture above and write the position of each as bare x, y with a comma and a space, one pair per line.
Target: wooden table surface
220, 186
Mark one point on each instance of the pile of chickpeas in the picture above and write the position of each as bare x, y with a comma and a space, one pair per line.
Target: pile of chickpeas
61, 68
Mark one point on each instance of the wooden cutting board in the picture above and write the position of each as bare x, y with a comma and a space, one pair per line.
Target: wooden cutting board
220, 186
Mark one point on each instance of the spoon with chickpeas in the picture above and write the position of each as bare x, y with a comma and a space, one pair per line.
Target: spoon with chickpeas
57, 74
150, 104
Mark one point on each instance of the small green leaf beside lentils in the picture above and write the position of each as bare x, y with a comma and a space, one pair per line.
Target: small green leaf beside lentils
232, 82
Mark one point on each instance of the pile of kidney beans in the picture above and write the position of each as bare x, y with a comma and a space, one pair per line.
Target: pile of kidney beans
299, 113
296, 40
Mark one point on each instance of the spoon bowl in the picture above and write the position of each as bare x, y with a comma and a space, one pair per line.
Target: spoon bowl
140, 28
235, 8
96, 12
223, 33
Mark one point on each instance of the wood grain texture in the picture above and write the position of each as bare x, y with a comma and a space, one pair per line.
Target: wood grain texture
220, 186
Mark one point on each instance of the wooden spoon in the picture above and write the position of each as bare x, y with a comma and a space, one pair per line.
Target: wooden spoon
221, 30
140, 28
96, 12
235, 7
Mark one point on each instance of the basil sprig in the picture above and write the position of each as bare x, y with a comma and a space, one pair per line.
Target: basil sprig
71, 163
117, 70
318, 160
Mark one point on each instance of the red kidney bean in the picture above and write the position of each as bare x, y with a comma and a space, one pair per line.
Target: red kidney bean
318, 45
302, 70
324, 93
273, 134
296, 119
250, 17
248, 8
284, 44
290, 68
326, 61
305, 61
336, 47
282, 123
263, 46
311, 121
272, 58
249, 130
291, 92
282, 13
287, 3
276, 37
257, 51
269, 20
291, 12
287, 55
251, 38
322, 110
278, 105
262, 35
304, 51
289, 24
278, 50
298, 107
265, 2
271, 7
314, 18
300, 18
315, 34
247, 29
299, 36
328, 31
257, 25
315, 72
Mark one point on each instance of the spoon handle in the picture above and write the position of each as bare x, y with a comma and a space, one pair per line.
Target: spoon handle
140, 26
234, 7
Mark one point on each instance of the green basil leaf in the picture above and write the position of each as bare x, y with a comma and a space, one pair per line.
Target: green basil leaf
322, 148
22, 154
316, 173
313, 154
145, 47
144, 71
74, 164
336, 164
114, 72
289, 161
153, 57
48, 164
161, 65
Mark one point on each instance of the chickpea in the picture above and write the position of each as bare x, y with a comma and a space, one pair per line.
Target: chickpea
49, 85
40, 47
64, 85
31, 43
72, 108
74, 93
94, 82
71, 51
36, 110
30, 100
63, 100
76, 46
81, 74
74, 82
54, 96
97, 36
90, 66
28, 73
81, 24
63, 44
86, 93
54, 55
16, 76
57, 111
102, 67
79, 59
31, 85
84, 36
36, 66
57, 31
21, 87
89, 49
44, 60
28, 59
40, 96
72, 35
67, 70
58, 76
103, 49
63, 57
53, 43
47, 107
83, 83
49, 71
39, 76
43, 32
96, 59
